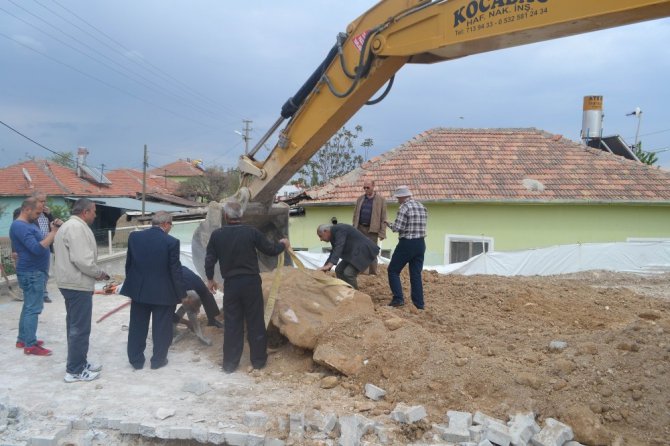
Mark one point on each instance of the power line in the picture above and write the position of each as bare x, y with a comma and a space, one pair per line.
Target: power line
33, 141
147, 65
107, 83
146, 84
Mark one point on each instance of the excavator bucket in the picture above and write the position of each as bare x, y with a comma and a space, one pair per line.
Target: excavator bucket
271, 221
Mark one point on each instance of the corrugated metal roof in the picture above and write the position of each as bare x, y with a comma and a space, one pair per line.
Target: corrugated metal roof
131, 204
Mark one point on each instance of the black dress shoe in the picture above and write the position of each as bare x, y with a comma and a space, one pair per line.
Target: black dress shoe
138, 366
47, 299
396, 303
229, 368
159, 364
215, 323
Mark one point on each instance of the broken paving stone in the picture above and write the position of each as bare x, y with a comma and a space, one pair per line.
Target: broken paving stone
557, 346
373, 392
163, 413
329, 382
196, 386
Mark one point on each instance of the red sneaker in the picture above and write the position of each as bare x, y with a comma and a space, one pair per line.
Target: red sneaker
21, 344
37, 350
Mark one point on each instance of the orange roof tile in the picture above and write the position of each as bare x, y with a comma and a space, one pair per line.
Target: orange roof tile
179, 168
491, 165
54, 179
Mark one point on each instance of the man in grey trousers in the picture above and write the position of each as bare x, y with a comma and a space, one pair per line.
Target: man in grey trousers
76, 272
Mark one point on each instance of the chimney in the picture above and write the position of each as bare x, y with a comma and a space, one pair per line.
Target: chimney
592, 118
81, 159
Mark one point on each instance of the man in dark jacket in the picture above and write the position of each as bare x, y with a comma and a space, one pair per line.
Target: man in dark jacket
234, 248
154, 283
354, 251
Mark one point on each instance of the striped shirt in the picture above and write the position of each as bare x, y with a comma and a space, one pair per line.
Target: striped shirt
410, 223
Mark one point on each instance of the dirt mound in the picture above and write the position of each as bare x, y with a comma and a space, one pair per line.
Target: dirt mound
483, 343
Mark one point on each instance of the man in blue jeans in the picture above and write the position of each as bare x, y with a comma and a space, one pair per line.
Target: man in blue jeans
32, 268
76, 273
410, 224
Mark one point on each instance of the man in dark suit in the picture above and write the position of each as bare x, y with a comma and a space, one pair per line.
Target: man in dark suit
154, 283
354, 251
193, 282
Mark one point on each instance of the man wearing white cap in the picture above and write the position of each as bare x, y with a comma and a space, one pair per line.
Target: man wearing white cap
410, 224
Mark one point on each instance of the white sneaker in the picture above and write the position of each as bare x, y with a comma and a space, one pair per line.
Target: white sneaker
93, 367
85, 375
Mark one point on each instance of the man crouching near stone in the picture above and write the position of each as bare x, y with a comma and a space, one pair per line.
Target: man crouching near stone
234, 248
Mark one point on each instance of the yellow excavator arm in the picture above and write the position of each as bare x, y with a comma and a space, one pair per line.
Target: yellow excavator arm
396, 32
374, 47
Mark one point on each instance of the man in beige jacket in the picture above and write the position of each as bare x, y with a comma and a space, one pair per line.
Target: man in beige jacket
369, 216
76, 272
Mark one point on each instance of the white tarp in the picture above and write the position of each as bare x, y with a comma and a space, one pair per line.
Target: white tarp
648, 257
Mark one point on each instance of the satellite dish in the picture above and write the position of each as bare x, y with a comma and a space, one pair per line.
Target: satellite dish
26, 175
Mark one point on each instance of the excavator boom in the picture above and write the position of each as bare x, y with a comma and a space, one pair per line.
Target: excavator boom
376, 45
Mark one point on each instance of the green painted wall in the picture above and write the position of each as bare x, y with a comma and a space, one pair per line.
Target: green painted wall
11, 203
512, 226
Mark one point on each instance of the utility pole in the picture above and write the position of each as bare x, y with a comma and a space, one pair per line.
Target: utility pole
144, 178
245, 136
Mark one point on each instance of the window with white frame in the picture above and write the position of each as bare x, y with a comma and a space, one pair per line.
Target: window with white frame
459, 248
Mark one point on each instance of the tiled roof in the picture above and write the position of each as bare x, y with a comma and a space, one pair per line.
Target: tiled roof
54, 179
179, 168
510, 165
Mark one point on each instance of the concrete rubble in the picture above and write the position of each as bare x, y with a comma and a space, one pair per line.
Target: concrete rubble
262, 429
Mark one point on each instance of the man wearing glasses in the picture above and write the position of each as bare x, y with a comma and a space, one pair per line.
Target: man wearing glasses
369, 217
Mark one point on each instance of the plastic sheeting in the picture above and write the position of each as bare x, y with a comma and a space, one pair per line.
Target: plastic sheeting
632, 257
646, 258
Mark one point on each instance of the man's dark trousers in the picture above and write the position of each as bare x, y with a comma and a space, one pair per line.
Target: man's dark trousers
78, 307
410, 251
243, 301
161, 329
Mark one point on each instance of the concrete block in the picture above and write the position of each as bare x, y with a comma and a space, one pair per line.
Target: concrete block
255, 440
216, 437
459, 420
352, 428
452, 434
129, 428
80, 424
522, 427
180, 433
296, 424
236, 438
255, 419
374, 393
498, 434
476, 433
114, 423
163, 432
52, 438
321, 422
199, 434
99, 423
408, 414
383, 433
485, 443
554, 433
274, 442
147, 430
557, 346
484, 420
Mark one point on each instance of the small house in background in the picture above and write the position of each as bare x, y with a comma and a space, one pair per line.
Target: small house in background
115, 191
180, 170
501, 189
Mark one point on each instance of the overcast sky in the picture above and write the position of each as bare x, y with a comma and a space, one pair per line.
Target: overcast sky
180, 76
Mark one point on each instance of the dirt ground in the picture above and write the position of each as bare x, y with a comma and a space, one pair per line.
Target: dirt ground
481, 344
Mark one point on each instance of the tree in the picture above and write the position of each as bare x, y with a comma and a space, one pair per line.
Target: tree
64, 159
214, 185
58, 210
338, 156
645, 157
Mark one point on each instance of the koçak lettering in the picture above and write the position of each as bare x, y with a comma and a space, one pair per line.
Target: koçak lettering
495, 7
